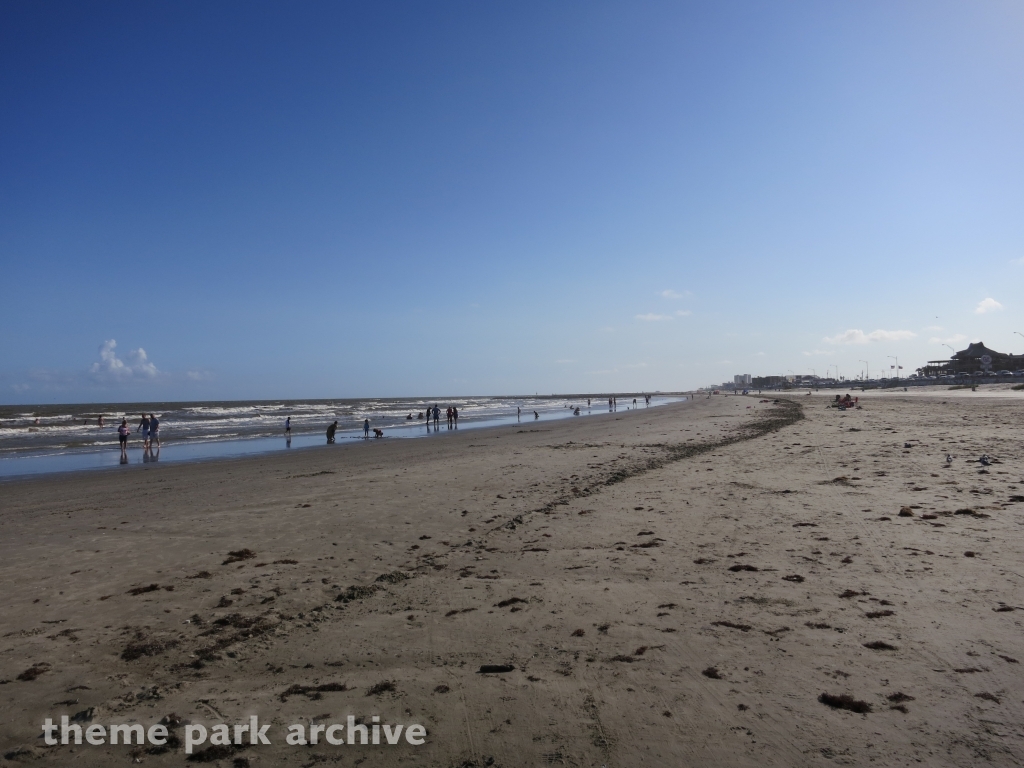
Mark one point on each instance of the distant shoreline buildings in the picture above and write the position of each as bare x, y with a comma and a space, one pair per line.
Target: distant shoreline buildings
976, 360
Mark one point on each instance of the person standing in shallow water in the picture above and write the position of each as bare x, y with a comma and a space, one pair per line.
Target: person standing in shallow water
122, 437
437, 417
154, 431
366, 428
330, 432
144, 428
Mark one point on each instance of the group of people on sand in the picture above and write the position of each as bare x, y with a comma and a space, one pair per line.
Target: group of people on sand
149, 426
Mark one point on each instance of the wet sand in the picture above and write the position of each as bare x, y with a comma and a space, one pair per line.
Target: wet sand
710, 583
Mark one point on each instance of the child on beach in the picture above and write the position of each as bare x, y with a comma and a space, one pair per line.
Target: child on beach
366, 428
330, 432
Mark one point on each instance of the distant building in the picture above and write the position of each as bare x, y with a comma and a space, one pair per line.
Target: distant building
972, 359
741, 380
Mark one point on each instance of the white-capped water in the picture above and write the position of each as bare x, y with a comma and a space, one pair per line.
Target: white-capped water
61, 438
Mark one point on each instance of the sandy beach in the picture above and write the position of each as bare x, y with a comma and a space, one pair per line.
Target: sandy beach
721, 582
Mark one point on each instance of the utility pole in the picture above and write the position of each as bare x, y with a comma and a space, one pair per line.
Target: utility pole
867, 369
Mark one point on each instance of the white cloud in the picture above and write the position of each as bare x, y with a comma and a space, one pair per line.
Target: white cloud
855, 336
819, 352
1019, 262
987, 305
650, 317
956, 338
760, 354
670, 294
110, 365
933, 327
683, 312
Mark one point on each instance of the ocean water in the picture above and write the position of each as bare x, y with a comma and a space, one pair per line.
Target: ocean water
60, 438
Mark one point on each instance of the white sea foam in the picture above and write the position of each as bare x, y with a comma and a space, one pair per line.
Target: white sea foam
62, 429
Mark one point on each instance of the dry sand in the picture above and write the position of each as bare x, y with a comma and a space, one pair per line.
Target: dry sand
600, 557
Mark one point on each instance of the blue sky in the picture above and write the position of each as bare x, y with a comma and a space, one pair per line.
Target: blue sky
276, 200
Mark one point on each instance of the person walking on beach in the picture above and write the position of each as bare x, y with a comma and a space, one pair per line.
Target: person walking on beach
288, 427
144, 427
437, 417
366, 429
330, 432
519, 413
536, 415
122, 437
455, 416
448, 414
154, 430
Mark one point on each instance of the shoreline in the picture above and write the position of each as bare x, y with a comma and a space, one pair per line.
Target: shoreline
61, 460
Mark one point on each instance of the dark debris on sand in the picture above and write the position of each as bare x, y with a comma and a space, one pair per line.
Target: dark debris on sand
878, 645
732, 625
712, 672
146, 647
143, 590
213, 754
845, 701
33, 672
238, 555
312, 691
384, 686
392, 578
510, 601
